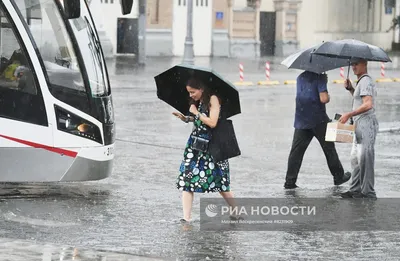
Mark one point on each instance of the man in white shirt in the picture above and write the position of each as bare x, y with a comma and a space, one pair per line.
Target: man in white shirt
366, 123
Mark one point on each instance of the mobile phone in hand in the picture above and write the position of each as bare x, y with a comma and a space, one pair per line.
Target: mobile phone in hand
337, 116
178, 114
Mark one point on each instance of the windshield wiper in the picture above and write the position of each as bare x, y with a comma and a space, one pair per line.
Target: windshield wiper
97, 48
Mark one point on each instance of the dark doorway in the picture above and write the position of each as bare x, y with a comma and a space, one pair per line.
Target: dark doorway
267, 33
127, 36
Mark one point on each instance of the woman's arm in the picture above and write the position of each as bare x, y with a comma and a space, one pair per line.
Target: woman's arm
183, 117
212, 120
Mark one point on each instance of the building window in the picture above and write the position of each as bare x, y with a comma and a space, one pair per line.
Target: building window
202, 3
251, 3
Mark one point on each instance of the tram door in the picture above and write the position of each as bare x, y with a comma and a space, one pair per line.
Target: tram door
24, 123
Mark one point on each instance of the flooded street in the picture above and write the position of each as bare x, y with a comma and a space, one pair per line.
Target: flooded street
137, 209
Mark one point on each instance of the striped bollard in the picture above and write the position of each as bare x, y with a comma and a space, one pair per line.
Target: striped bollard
267, 70
267, 76
241, 75
342, 78
383, 79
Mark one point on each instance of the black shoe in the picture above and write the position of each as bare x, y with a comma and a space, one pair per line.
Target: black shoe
370, 196
347, 194
236, 218
290, 186
351, 194
183, 221
358, 195
345, 178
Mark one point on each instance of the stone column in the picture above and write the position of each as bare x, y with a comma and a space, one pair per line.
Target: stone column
230, 19
286, 40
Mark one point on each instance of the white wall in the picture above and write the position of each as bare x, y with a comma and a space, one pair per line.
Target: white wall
238, 3
202, 27
267, 6
337, 19
106, 16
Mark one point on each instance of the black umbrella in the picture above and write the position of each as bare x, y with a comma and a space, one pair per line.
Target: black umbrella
306, 60
171, 88
350, 48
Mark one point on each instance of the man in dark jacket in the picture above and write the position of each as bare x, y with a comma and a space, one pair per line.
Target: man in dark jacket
311, 121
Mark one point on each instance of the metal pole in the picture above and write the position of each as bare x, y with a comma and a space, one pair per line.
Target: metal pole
142, 33
188, 55
397, 15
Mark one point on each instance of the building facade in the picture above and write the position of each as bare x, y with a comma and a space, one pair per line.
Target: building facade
219, 28
243, 28
117, 32
303, 23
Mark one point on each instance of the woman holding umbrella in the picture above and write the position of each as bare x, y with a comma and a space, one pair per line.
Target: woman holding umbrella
199, 173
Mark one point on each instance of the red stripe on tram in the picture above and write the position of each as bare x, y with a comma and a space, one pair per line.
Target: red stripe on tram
68, 153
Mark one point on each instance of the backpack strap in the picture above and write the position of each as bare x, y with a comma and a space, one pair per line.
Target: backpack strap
352, 104
361, 78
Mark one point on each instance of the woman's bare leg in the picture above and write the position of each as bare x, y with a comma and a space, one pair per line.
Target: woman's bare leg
229, 198
187, 202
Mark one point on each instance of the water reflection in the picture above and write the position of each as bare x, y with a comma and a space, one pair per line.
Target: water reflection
88, 191
195, 244
134, 210
60, 206
25, 250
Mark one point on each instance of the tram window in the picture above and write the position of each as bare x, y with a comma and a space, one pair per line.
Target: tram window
20, 98
56, 50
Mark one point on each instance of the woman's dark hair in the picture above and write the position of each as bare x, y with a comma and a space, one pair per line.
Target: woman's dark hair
199, 85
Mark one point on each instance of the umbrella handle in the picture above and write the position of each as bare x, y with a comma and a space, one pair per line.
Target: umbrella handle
348, 70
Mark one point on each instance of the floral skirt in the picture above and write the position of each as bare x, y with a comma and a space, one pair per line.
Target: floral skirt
199, 173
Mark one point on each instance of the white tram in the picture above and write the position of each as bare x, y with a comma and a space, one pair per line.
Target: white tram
56, 111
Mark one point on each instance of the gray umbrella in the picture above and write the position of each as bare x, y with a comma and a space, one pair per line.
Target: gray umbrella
306, 60
350, 48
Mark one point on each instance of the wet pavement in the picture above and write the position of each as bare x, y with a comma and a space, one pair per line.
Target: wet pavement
22, 250
137, 210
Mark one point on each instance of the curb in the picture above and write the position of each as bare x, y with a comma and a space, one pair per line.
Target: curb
268, 83
243, 83
290, 82
384, 80
338, 81
293, 82
385, 130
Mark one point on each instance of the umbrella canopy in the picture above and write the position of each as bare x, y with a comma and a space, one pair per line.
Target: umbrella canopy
350, 48
171, 88
306, 60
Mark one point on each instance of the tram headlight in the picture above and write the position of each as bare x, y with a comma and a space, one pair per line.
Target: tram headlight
73, 124
67, 123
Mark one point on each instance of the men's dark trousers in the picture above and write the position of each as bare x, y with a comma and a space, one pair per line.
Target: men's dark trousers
301, 140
